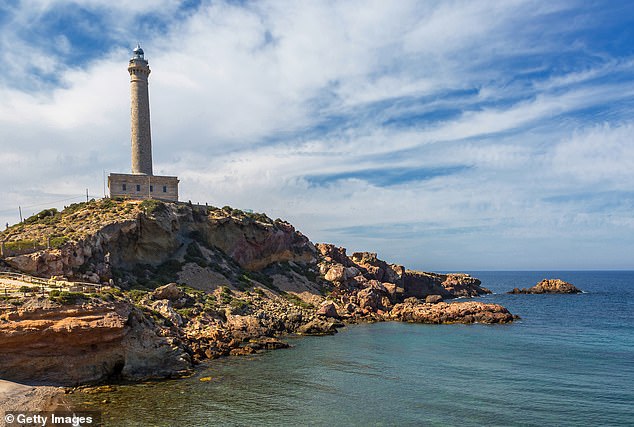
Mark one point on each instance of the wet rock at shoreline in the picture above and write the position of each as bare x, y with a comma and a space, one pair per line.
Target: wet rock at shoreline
319, 327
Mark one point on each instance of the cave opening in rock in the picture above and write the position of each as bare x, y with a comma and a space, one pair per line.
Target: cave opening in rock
117, 370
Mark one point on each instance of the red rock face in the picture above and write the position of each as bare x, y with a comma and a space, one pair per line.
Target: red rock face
78, 344
256, 245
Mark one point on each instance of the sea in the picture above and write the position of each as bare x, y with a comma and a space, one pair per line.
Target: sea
569, 361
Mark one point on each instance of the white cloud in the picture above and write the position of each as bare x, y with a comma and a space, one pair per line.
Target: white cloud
239, 95
601, 155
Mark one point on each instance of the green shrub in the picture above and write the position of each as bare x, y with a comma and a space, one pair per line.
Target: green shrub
244, 282
111, 294
152, 206
185, 312
261, 217
239, 303
47, 216
225, 295
296, 300
136, 294
67, 298
195, 255
19, 245
263, 278
73, 208
58, 241
167, 271
108, 203
239, 306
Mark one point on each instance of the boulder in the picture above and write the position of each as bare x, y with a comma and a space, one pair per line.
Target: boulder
328, 309
433, 299
164, 306
170, 292
336, 273
374, 297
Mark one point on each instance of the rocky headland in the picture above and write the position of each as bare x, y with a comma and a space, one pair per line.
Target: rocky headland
549, 286
176, 284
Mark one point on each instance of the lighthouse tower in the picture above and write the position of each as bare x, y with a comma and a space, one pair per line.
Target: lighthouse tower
140, 113
141, 183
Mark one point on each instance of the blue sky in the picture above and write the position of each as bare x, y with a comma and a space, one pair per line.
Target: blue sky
444, 135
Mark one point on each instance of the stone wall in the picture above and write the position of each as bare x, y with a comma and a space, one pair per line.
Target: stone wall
143, 186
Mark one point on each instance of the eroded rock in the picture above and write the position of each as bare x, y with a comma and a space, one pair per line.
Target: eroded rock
78, 344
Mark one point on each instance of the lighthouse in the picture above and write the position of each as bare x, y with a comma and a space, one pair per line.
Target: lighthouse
141, 183
140, 113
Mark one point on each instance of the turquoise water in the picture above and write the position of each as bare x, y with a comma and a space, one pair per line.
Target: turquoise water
568, 362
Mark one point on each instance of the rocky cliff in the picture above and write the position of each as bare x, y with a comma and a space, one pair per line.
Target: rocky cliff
151, 243
241, 281
47, 343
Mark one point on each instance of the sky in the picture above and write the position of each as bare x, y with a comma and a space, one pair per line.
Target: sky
443, 135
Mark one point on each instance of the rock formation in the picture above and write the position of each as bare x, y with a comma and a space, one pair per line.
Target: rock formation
42, 342
188, 283
549, 286
411, 310
150, 240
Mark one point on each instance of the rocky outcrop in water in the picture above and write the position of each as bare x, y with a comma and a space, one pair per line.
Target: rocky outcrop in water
549, 286
363, 268
411, 310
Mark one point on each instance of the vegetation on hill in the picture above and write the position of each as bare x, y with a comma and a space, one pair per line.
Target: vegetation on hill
74, 223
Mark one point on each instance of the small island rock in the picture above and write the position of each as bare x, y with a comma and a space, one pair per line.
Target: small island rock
549, 286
